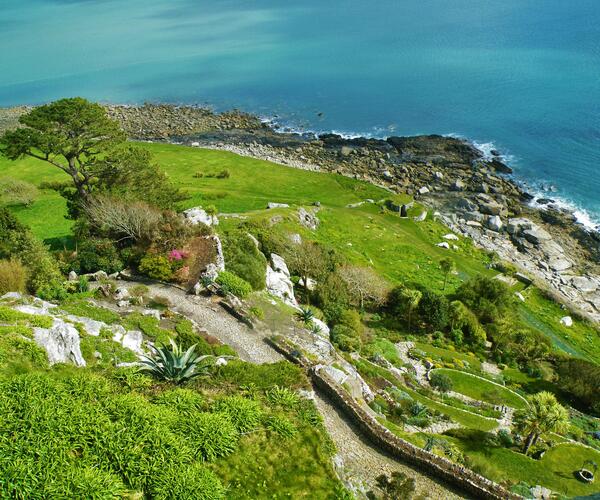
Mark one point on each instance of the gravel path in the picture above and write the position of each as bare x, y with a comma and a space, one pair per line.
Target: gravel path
357, 461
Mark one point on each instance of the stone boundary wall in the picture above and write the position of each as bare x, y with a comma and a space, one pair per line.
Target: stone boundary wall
455, 474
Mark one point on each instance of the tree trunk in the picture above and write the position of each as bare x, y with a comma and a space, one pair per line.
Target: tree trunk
531, 438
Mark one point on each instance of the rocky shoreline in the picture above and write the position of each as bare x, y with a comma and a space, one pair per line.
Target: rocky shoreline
473, 194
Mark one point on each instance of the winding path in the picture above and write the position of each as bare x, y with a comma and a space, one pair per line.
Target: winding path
357, 461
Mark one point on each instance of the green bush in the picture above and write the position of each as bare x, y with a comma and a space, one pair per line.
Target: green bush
284, 397
18, 242
345, 338
194, 481
185, 401
98, 255
244, 259
281, 426
9, 315
157, 267
234, 284
212, 435
246, 414
15, 348
13, 276
263, 376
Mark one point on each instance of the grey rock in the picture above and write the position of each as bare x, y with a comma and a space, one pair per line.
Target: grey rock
444, 244
423, 190
457, 185
61, 343
494, 223
198, 215
346, 151
121, 293
584, 284
516, 225
272, 204
491, 208
473, 216
558, 264
467, 204
308, 219
536, 235
438, 176
296, 238
73, 276
278, 282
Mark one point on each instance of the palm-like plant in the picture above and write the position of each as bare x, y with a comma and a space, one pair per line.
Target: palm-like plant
173, 364
544, 414
306, 316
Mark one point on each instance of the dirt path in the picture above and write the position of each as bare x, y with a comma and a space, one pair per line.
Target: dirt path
362, 463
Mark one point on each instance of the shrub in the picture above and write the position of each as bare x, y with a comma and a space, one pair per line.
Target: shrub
281, 426
234, 284
257, 312
13, 347
263, 376
185, 401
282, 396
345, 338
245, 414
244, 259
157, 267
223, 174
13, 276
441, 382
98, 255
213, 435
193, 481
433, 310
15, 192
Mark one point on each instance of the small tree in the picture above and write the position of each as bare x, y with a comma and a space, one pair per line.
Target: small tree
307, 260
543, 415
411, 299
364, 285
70, 134
441, 382
447, 265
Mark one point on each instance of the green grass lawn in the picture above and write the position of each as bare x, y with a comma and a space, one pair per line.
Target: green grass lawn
448, 355
483, 390
555, 470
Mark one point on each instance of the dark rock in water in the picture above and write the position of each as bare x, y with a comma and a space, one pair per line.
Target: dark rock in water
526, 197
544, 201
498, 166
495, 152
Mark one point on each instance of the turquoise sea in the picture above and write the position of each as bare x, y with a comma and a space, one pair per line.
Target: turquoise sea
523, 75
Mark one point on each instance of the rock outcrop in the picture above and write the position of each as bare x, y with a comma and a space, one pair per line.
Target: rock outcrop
278, 281
61, 343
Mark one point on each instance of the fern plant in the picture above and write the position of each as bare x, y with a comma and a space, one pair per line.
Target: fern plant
173, 364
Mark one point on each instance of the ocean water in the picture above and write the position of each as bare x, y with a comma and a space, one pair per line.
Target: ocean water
519, 75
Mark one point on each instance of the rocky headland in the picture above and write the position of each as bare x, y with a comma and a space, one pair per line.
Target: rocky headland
470, 192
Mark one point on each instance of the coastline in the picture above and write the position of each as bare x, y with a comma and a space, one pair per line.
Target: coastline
471, 190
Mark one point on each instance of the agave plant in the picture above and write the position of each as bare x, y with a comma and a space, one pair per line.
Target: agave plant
173, 364
305, 315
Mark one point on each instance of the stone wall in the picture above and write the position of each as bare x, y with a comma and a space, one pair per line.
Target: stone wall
440, 467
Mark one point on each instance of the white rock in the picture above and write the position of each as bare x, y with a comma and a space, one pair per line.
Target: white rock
296, 238
72, 276
195, 144
584, 284
308, 219
520, 296
338, 376
221, 362
198, 215
494, 223
118, 333
12, 295
278, 281
559, 264
323, 328
61, 343
92, 327
438, 176
220, 262
422, 217
567, 321
155, 313
277, 205
121, 294
450, 236
133, 340
423, 190
444, 244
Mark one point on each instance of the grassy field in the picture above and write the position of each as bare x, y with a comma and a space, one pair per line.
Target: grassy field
400, 249
482, 390
448, 355
555, 470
